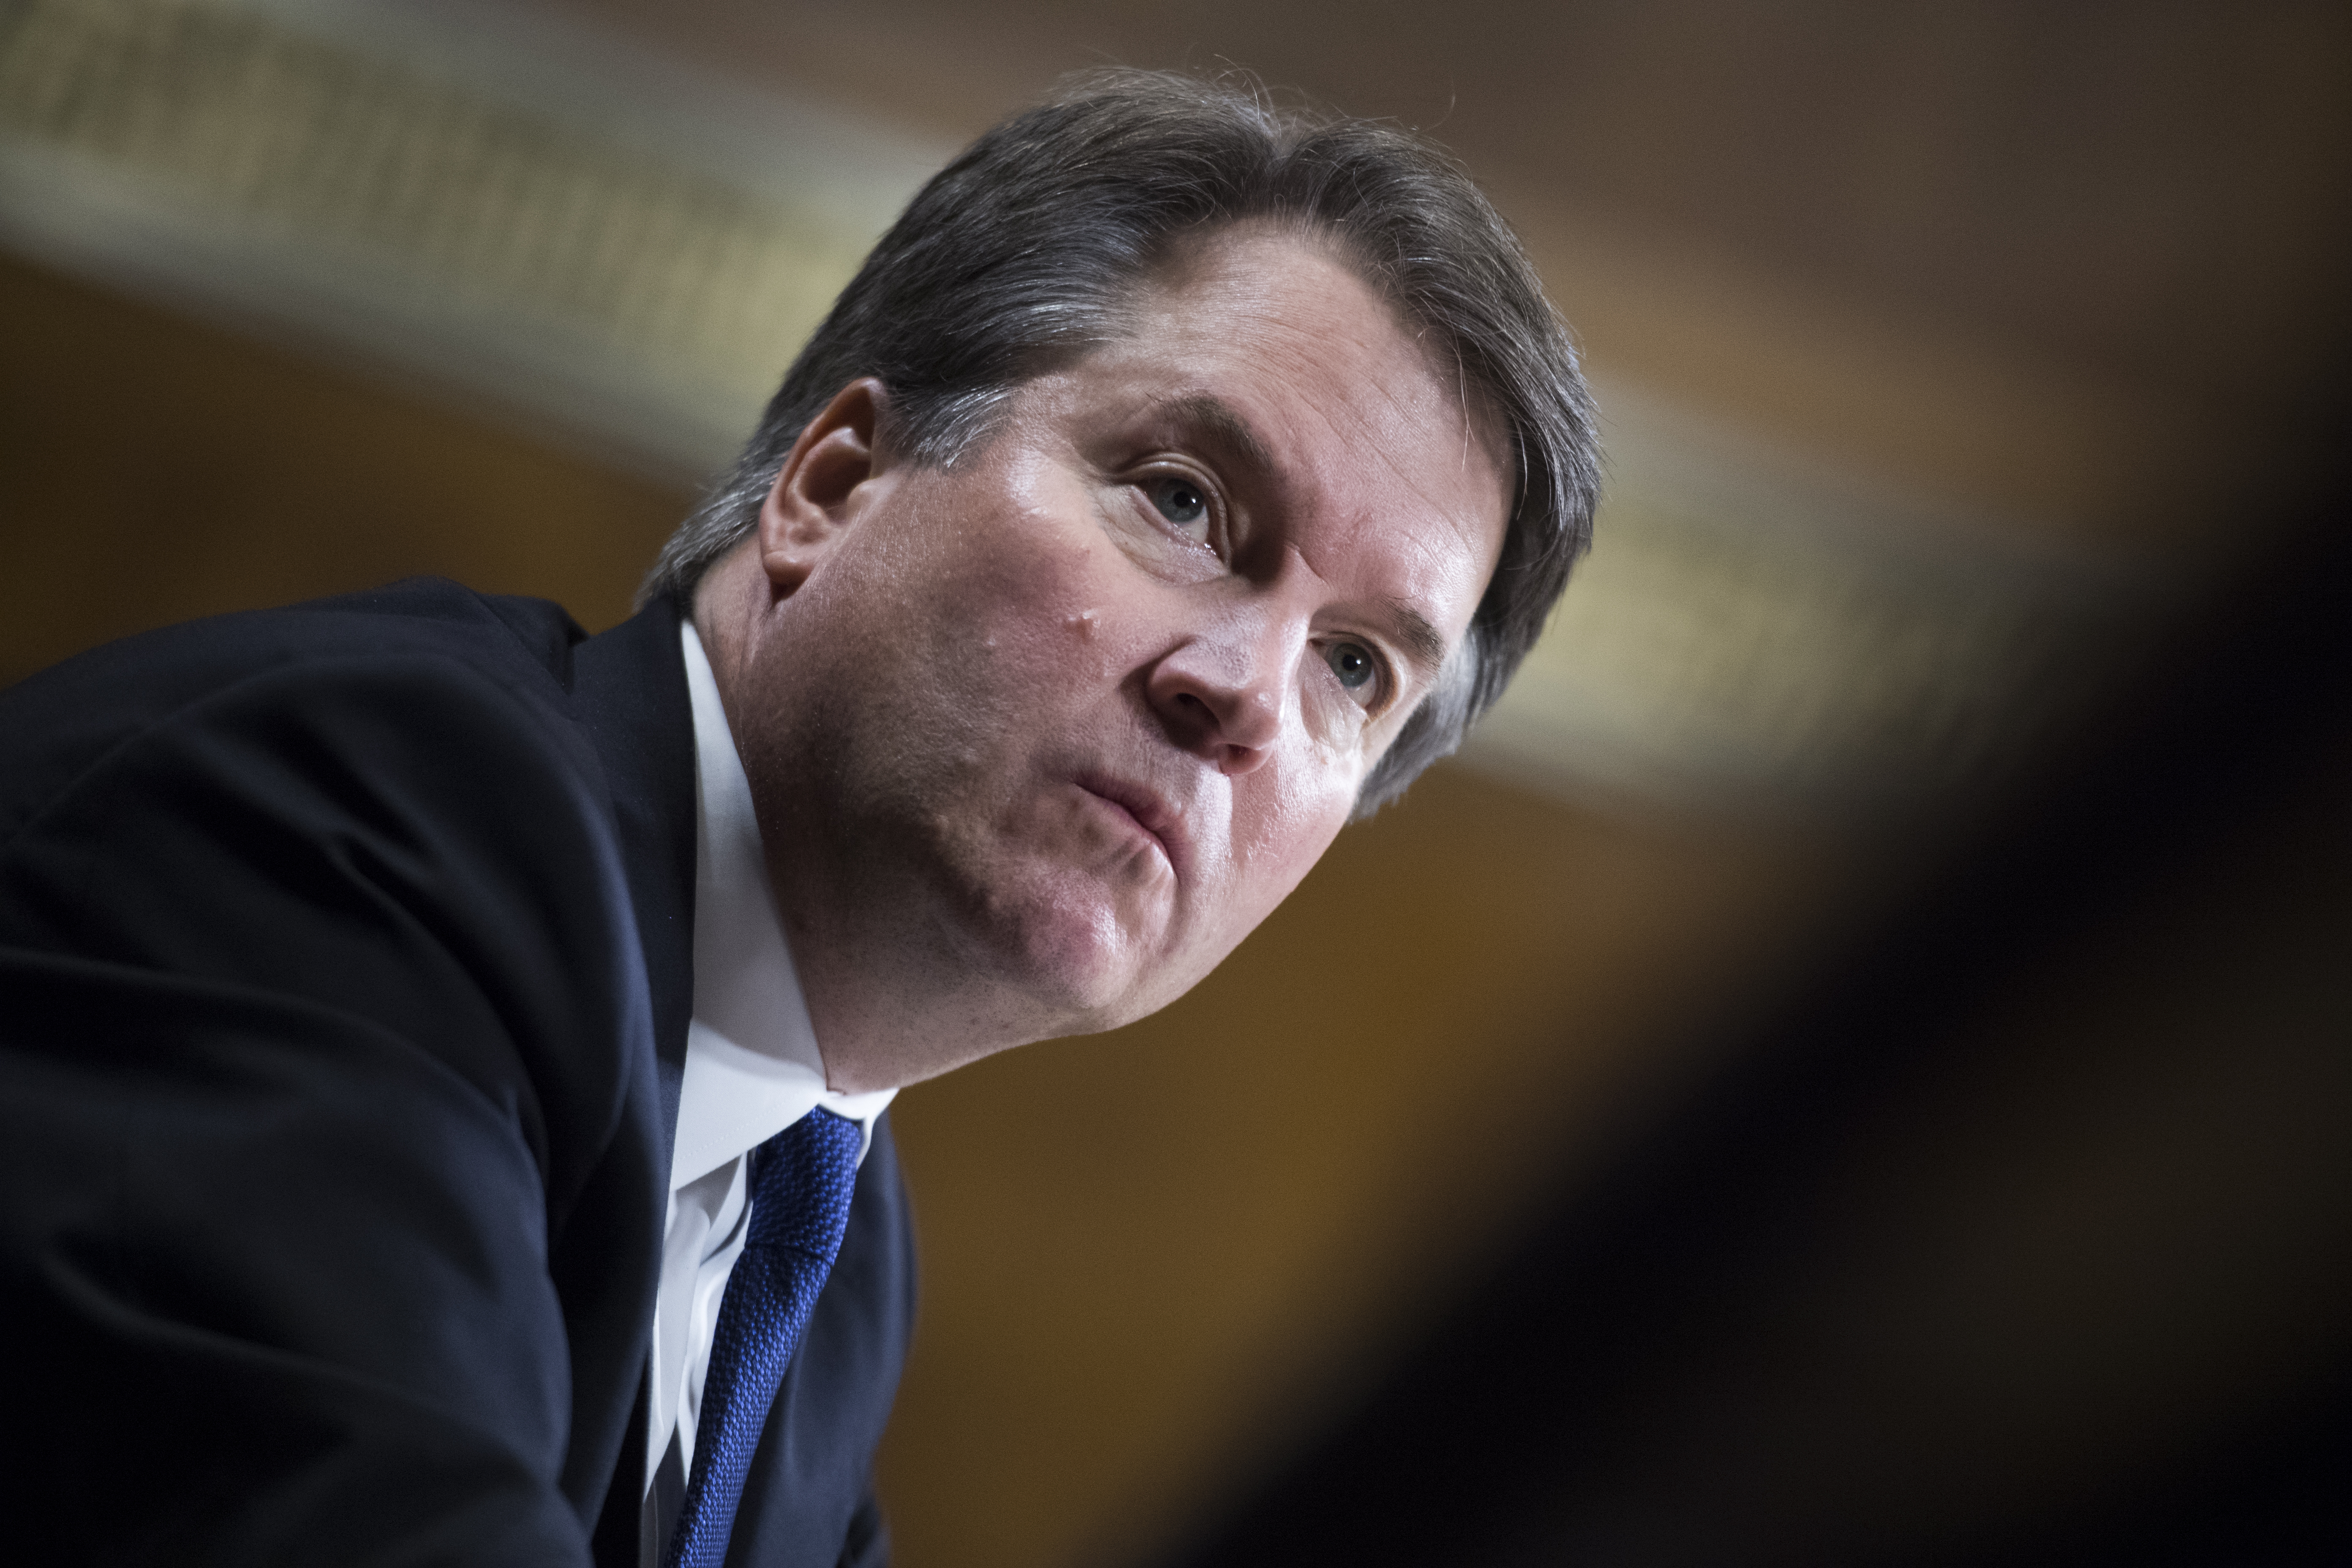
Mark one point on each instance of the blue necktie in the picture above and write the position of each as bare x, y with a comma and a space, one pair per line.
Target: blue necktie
801, 1183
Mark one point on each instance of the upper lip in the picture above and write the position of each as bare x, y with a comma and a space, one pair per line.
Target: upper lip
1150, 811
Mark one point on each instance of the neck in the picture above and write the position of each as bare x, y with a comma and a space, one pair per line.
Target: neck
892, 997
885, 1019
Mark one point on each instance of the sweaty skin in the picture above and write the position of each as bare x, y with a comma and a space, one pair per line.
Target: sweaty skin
1035, 737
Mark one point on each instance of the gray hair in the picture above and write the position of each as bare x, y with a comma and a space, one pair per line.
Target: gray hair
1019, 257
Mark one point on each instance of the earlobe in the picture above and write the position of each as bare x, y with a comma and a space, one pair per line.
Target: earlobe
811, 503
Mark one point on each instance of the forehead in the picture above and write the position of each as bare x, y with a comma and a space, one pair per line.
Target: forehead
1287, 307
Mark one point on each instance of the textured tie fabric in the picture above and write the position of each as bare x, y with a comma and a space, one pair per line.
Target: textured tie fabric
801, 1183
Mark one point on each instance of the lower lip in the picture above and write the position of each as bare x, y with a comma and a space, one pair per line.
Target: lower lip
1133, 823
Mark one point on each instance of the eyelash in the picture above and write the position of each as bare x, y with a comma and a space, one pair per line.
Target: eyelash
1383, 680
1151, 477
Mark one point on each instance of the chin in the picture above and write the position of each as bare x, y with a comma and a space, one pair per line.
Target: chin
1072, 954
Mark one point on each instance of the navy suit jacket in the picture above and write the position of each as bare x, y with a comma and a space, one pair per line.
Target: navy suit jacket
345, 968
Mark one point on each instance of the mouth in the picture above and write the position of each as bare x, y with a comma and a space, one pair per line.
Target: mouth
1153, 816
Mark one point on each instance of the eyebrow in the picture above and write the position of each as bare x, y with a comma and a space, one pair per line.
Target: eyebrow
1214, 420
1424, 648
1216, 423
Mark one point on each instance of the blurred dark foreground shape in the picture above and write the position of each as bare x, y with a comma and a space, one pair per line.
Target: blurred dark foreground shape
2023, 1236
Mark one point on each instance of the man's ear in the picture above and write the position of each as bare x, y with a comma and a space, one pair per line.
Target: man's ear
808, 508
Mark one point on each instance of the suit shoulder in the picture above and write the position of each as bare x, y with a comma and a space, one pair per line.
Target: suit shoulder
399, 827
60, 723
539, 629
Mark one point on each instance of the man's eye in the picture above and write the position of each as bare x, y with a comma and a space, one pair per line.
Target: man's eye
1182, 503
1352, 662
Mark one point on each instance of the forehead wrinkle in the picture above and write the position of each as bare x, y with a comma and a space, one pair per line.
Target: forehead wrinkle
1412, 447
1360, 326
1392, 415
1274, 332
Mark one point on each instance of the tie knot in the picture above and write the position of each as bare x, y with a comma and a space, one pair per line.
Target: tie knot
801, 1180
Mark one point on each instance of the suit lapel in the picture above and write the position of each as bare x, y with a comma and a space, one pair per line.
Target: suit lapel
629, 690
629, 693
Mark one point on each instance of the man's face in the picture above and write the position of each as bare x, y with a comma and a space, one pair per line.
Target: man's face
1078, 711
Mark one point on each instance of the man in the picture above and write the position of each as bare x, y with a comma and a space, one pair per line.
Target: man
446, 1058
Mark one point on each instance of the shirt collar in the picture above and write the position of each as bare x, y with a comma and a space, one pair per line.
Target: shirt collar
752, 1067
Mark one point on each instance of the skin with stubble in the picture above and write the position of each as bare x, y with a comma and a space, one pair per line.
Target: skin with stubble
1035, 737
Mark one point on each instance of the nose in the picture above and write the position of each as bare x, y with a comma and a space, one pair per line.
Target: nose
1219, 692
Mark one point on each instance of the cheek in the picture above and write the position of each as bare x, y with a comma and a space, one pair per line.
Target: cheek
1028, 592
1282, 828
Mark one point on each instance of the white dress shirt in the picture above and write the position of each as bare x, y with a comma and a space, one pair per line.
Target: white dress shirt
752, 1069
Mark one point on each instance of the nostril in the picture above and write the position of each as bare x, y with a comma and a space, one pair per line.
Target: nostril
1196, 714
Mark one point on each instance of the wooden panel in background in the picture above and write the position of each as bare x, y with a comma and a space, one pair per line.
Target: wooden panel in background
152, 469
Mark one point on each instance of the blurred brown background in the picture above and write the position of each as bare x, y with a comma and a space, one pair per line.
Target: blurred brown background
1851, 1066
